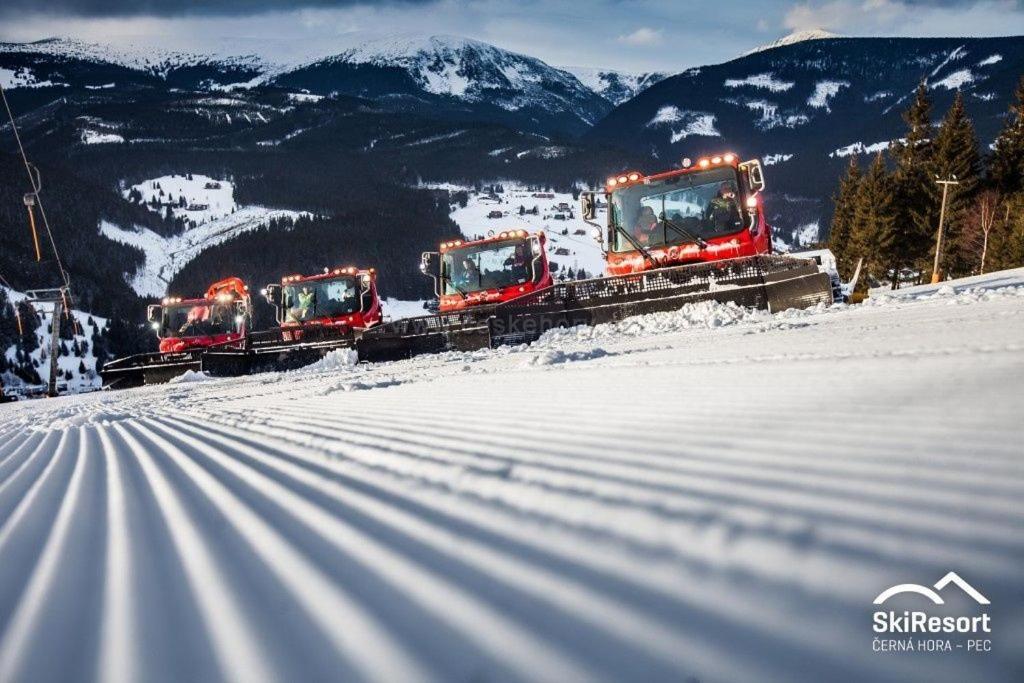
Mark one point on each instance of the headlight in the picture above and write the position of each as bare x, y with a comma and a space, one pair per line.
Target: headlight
155, 326
239, 319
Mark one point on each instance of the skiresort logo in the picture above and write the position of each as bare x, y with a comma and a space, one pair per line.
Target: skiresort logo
900, 626
949, 578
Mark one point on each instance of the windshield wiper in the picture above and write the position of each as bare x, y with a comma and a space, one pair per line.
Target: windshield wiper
701, 242
636, 245
451, 283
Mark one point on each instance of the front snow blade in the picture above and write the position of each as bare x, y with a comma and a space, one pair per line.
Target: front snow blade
279, 349
148, 368
465, 330
773, 283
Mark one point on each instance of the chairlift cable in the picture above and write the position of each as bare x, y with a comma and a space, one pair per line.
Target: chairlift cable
33, 179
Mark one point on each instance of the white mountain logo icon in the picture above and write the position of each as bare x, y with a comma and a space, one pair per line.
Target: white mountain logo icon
932, 595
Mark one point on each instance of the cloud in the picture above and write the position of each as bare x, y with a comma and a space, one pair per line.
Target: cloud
906, 17
175, 8
642, 37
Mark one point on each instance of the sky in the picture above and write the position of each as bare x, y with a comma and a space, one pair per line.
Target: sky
632, 35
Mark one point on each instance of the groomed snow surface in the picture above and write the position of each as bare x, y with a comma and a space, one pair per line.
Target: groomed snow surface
713, 493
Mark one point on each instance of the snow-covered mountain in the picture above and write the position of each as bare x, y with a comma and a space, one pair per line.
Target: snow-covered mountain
793, 38
448, 76
155, 60
457, 74
615, 86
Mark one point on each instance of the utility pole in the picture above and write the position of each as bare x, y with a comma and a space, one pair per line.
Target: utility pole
942, 217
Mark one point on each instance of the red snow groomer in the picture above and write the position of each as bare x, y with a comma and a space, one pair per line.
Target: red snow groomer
691, 234
188, 329
343, 298
315, 313
492, 270
707, 211
218, 320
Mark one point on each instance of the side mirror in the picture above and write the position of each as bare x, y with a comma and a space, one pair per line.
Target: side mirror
241, 314
588, 207
154, 314
272, 293
430, 265
755, 175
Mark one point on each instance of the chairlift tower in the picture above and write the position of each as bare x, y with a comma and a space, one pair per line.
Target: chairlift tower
60, 297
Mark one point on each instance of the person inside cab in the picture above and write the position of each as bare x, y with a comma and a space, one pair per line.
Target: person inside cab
301, 305
518, 264
197, 322
646, 226
723, 211
469, 275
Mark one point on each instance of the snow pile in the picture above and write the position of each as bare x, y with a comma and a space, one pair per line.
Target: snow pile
338, 359
824, 91
191, 376
1006, 283
993, 59
701, 315
558, 356
764, 81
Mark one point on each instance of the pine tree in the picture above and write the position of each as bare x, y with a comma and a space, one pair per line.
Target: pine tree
873, 234
917, 215
1006, 171
956, 154
842, 217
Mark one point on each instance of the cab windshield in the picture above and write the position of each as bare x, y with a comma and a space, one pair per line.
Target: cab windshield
676, 210
492, 265
320, 299
199, 319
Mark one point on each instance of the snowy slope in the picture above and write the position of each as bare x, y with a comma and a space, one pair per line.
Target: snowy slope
712, 495
212, 215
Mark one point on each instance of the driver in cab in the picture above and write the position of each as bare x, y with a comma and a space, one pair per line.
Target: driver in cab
468, 276
724, 210
518, 263
646, 226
